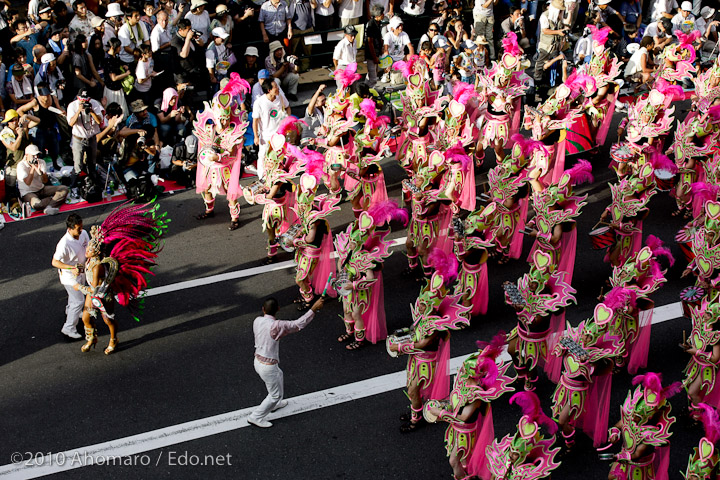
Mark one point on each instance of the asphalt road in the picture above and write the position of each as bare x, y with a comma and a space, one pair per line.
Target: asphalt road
190, 357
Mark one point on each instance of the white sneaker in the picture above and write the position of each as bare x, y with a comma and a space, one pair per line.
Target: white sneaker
51, 210
280, 404
259, 423
385, 78
70, 333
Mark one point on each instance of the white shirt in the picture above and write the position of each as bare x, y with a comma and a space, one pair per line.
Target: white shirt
678, 20
652, 30
33, 8
583, 47
23, 171
633, 65
126, 41
218, 54
345, 52
351, 8
143, 71
662, 6
324, 11
71, 252
201, 23
701, 24
270, 114
416, 10
85, 127
482, 12
79, 25
438, 41
396, 44
159, 36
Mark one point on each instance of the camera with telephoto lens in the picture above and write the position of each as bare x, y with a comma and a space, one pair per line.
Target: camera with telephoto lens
33, 161
197, 33
87, 106
141, 141
291, 59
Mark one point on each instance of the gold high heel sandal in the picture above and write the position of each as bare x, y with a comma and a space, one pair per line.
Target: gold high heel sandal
91, 337
111, 346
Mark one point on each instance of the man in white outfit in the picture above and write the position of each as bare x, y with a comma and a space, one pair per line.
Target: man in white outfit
69, 259
268, 332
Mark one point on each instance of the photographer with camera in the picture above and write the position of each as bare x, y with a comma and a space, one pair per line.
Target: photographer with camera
133, 34
15, 138
85, 116
284, 69
200, 20
516, 23
191, 55
32, 180
552, 33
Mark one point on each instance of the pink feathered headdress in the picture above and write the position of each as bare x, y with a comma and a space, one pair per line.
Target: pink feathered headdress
660, 161
457, 154
369, 111
406, 67
387, 211
446, 265
236, 86
618, 297
580, 83
581, 172
462, 92
675, 92
705, 191
653, 382
600, 35
529, 403
348, 75
486, 367
659, 250
528, 145
709, 419
510, 44
291, 122
314, 163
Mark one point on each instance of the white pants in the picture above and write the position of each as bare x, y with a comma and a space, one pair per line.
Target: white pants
74, 308
273, 378
262, 151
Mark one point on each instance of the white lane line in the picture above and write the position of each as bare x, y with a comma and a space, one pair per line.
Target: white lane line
223, 277
205, 427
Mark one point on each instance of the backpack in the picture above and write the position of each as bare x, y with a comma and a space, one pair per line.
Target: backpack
89, 191
141, 189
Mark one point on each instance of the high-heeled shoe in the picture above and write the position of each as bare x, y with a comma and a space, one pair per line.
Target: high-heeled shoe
111, 346
91, 337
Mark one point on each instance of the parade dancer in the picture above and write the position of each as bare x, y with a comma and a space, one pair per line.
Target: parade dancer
603, 68
456, 122
427, 344
468, 410
703, 237
528, 454
538, 295
704, 461
314, 244
644, 431
120, 253
220, 131
502, 89
704, 346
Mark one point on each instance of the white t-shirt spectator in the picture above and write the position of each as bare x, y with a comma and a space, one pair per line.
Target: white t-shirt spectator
396, 44
159, 36
71, 252
685, 25
85, 126
662, 6
652, 30
201, 23
351, 8
257, 92
633, 65
138, 37
143, 71
270, 114
345, 52
413, 9
23, 171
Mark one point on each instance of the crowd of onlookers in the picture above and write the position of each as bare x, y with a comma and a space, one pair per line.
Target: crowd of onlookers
113, 88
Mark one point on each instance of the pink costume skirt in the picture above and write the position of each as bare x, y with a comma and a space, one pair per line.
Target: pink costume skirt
219, 178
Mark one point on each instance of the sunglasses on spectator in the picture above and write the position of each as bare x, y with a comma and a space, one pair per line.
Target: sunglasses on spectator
433, 30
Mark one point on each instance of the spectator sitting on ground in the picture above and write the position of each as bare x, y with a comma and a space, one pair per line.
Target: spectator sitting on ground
142, 119
174, 117
660, 32
32, 183
184, 162
283, 69
516, 23
684, 20
639, 68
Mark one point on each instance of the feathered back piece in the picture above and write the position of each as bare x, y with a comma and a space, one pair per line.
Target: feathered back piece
714, 112
653, 382
705, 191
369, 110
236, 86
348, 75
291, 122
580, 83
462, 92
387, 211
528, 145
673, 92
581, 172
486, 369
406, 67
445, 264
659, 249
529, 403
457, 154
660, 161
132, 233
314, 163
687, 39
618, 297
709, 419
600, 35
510, 44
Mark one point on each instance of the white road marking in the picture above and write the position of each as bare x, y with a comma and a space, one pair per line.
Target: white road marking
205, 427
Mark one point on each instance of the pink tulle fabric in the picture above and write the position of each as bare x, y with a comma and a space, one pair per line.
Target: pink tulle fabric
558, 167
380, 192
482, 293
594, 421
374, 317
444, 240
607, 120
439, 388
477, 464
698, 203
639, 350
553, 364
326, 265
468, 198
516, 244
661, 462
568, 248
203, 177
515, 121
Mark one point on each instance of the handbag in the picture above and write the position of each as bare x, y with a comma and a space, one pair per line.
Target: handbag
128, 83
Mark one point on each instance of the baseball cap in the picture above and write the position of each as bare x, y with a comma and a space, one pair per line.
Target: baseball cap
469, 44
252, 51
47, 58
263, 74
687, 6
191, 144
84, 93
395, 22
32, 150
220, 32
350, 30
